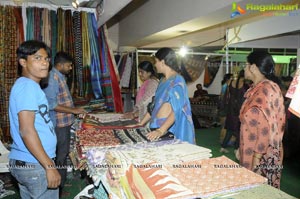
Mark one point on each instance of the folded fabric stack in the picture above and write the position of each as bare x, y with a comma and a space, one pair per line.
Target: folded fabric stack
87, 139
99, 159
200, 178
106, 120
165, 154
213, 176
96, 137
262, 191
113, 163
153, 183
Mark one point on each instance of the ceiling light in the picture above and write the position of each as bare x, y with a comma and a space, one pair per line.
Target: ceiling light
183, 50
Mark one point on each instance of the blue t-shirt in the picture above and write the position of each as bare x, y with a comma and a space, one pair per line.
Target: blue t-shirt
27, 95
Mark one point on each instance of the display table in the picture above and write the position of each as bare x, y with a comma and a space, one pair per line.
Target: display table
205, 110
111, 165
124, 164
263, 191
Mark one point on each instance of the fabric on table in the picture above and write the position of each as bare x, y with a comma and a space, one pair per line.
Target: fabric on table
215, 175
262, 191
132, 135
97, 137
155, 183
97, 156
106, 120
167, 154
107, 117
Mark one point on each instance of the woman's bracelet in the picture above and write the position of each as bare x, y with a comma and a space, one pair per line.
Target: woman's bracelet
160, 131
257, 156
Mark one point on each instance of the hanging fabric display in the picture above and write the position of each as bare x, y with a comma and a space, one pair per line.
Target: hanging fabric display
86, 56
69, 47
30, 24
110, 85
106, 80
78, 52
76, 33
211, 69
53, 18
10, 38
125, 78
192, 67
95, 60
60, 42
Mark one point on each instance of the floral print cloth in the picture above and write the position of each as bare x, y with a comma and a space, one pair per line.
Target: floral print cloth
262, 126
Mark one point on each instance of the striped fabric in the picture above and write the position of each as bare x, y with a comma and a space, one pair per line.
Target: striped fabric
69, 45
105, 79
60, 42
78, 52
53, 17
118, 103
77, 34
30, 23
9, 40
86, 50
95, 60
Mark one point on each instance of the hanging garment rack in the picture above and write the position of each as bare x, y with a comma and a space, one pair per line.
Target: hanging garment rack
48, 6
188, 53
24, 5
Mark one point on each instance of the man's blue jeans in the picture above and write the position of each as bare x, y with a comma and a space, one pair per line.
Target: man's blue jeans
32, 180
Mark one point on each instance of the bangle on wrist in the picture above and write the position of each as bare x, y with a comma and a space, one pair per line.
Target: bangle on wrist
160, 131
257, 156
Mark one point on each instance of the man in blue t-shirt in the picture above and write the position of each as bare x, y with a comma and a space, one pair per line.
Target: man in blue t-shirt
34, 140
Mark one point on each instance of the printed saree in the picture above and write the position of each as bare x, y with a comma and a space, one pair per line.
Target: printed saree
174, 91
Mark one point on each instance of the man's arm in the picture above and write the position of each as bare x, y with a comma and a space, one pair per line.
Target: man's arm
73, 110
34, 145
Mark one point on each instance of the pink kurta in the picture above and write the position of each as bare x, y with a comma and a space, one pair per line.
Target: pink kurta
262, 126
144, 96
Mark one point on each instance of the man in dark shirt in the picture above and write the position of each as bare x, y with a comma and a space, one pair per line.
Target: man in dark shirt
199, 92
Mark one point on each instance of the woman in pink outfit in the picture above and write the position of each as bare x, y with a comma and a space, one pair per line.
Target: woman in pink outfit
262, 120
146, 91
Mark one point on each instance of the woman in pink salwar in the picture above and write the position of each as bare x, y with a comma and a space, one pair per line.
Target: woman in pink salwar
262, 120
146, 91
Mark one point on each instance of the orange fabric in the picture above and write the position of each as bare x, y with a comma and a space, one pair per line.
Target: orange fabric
207, 77
262, 126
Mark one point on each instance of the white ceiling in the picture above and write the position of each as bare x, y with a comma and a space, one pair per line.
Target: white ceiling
205, 23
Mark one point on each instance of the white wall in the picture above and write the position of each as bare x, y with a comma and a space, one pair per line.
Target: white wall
113, 37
